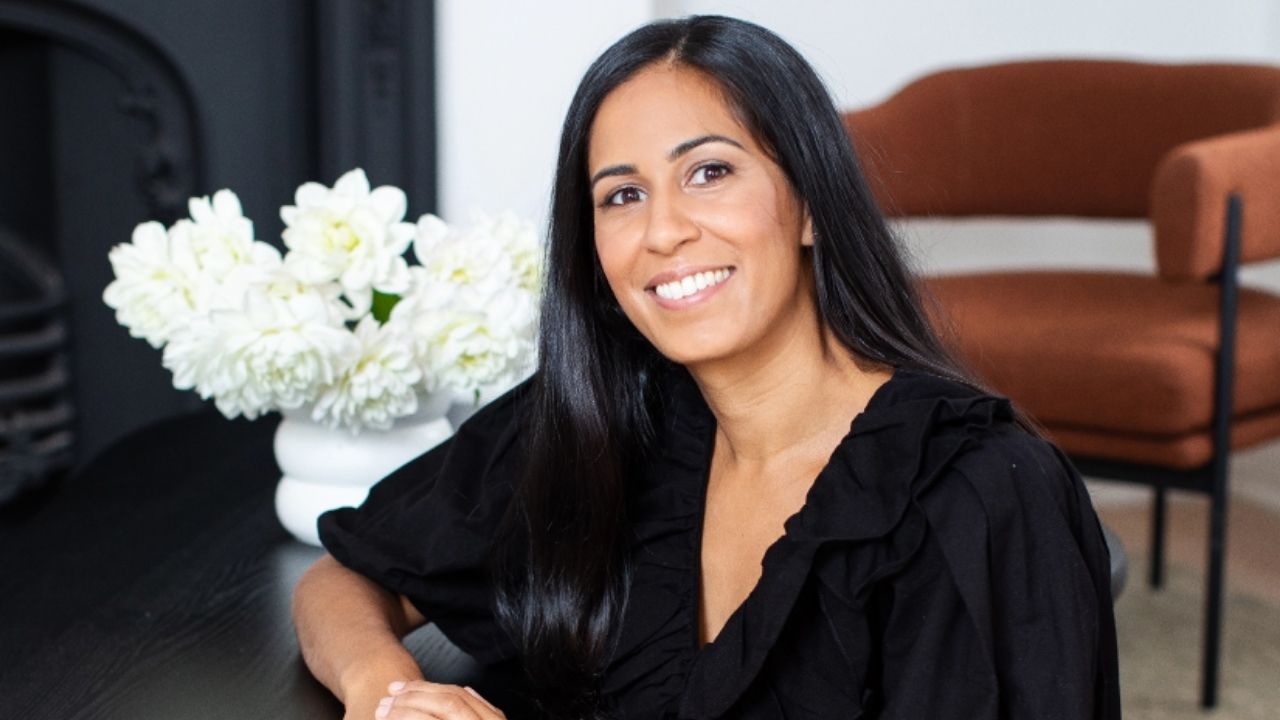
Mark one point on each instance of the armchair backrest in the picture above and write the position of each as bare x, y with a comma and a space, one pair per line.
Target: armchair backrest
1085, 138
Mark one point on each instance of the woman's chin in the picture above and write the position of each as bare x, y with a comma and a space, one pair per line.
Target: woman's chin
695, 353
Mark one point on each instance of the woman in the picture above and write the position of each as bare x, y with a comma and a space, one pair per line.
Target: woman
746, 480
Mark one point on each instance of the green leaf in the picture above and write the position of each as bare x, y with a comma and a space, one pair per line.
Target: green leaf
382, 304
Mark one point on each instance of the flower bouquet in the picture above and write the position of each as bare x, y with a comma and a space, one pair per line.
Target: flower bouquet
341, 325
340, 333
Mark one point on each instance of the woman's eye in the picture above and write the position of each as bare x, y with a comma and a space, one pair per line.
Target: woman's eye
709, 173
625, 195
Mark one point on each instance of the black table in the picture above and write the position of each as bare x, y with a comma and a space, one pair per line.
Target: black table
157, 583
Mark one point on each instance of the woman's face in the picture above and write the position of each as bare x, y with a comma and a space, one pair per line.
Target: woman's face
696, 227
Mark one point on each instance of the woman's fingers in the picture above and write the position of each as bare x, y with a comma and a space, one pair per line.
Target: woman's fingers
476, 695
420, 699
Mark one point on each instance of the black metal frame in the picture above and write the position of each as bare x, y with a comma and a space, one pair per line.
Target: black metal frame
1211, 478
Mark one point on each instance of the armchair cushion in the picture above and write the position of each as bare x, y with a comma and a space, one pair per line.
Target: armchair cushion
1116, 365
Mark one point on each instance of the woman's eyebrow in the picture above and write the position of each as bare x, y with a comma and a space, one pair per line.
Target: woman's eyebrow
611, 171
688, 145
675, 153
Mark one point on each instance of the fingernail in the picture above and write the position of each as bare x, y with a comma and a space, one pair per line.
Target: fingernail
382, 710
396, 686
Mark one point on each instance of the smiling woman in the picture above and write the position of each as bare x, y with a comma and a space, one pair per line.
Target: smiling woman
696, 227
746, 479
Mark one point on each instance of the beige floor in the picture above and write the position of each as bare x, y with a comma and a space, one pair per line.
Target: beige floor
1253, 540
1160, 645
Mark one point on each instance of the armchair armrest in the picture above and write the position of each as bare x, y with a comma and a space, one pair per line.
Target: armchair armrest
1189, 198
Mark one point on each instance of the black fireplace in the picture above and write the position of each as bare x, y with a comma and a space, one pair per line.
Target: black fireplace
116, 111
37, 437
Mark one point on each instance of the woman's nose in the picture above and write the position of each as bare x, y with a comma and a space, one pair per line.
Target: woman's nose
670, 224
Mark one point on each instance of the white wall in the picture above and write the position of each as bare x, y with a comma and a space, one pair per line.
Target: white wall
864, 50
508, 70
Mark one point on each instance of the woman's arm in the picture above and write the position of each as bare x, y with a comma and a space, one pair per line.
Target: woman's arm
423, 532
350, 630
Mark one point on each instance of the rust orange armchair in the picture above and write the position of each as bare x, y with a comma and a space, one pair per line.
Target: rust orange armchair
1143, 378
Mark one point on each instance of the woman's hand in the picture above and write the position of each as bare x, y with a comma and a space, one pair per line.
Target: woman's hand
418, 699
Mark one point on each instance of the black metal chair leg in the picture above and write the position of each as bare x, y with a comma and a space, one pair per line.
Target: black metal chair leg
1159, 506
1224, 381
1213, 601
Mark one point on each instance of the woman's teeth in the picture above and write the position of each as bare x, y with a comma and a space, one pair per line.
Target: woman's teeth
691, 284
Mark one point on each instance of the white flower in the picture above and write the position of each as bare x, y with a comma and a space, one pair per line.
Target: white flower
281, 284
221, 240
272, 353
349, 234
220, 236
472, 306
467, 346
378, 387
466, 352
462, 260
166, 278
519, 241
158, 286
257, 332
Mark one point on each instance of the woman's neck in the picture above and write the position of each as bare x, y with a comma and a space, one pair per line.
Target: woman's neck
786, 403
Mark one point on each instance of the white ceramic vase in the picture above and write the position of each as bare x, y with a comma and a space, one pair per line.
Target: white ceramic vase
323, 469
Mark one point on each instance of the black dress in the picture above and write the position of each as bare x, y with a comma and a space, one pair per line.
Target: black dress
945, 564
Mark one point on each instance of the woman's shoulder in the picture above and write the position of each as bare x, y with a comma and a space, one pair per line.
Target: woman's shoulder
939, 466
980, 484
955, 425
989, 451
951, 451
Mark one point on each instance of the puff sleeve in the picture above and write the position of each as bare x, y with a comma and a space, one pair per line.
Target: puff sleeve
426, 530
1005, 611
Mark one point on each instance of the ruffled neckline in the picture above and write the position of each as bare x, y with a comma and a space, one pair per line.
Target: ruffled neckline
911, 428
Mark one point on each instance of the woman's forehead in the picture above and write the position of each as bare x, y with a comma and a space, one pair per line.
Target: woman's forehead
658, 108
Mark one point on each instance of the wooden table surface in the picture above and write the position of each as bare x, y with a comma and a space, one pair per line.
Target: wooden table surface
157, 583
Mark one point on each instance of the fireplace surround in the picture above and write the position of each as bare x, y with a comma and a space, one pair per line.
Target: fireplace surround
37, 440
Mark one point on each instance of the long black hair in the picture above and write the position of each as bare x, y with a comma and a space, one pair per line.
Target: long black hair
561, 569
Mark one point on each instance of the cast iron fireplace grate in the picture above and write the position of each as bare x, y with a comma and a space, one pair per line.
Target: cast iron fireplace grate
37, 438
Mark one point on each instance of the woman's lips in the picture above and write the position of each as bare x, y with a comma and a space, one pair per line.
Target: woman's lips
681, 289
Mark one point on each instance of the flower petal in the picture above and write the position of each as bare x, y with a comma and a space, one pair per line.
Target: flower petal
227, 205
353, 183
310, 195
389, 203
